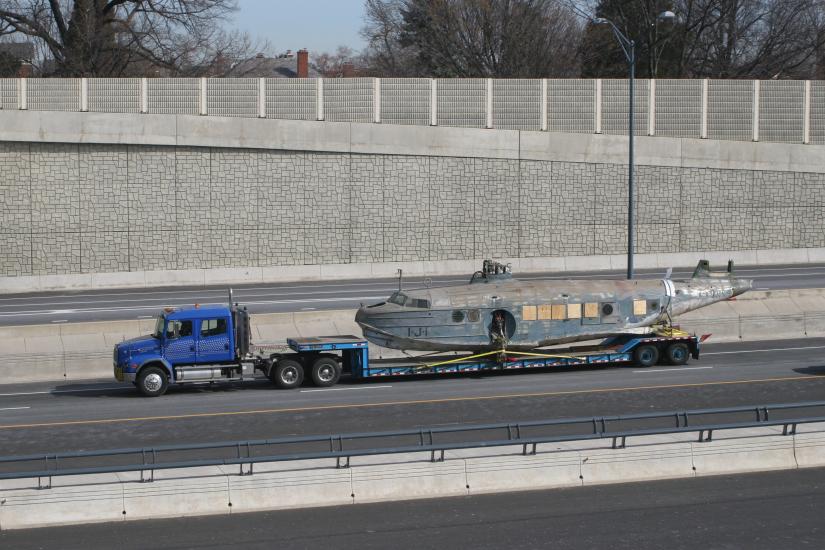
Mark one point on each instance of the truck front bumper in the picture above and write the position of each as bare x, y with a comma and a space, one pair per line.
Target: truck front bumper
124, 376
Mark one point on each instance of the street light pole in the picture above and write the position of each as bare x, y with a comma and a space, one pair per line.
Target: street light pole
630, 168
629, 49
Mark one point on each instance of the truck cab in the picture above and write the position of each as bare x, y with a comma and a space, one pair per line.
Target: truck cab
188, 344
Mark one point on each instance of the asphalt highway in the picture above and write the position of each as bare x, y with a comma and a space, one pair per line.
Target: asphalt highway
107, 305
38, 418
755, 511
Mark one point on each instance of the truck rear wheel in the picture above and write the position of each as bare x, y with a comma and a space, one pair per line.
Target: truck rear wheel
677, 353
288, 374
325, 372
152, 381
646, 356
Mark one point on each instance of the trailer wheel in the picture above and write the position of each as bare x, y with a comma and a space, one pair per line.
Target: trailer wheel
677, 353
646, 356
289, 374
325, 372
152, 381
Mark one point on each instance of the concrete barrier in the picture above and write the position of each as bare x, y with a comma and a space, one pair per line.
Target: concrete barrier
72, 499
809, 446
657, 458
403, 477
289, 485
173, 493
78, 351
493, 471
737, 451
305, 484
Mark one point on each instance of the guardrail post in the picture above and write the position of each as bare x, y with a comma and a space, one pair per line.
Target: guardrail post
755, 110
144, 95
806, 114
84, 95
651, 107
203, 109
543, 122
261, 98
597, 110
433, 102
489, 95
376, 100
703, 132
622, 445
22, 94
319, 97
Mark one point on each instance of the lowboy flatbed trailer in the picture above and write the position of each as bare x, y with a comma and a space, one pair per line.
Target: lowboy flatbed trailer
641, 351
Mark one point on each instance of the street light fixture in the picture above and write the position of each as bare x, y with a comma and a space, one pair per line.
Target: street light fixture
629, 48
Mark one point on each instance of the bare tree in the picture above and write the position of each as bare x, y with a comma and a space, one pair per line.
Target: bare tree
472, 38
382, 30
712, 38
123, 37
334, 64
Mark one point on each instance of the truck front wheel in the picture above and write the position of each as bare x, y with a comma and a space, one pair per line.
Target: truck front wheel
289, 374
325, 372
152, 381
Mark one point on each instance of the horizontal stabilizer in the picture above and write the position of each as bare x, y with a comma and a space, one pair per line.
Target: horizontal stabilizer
703, 271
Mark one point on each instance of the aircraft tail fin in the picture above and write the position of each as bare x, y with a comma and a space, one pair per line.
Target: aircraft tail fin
703, 271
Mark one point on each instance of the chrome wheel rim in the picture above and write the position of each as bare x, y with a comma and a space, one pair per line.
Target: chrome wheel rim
326, 373
289, 375
153, 382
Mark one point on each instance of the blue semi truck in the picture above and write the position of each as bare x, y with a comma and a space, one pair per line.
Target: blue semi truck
198, 344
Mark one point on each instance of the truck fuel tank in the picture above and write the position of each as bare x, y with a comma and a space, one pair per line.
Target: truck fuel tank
198, 374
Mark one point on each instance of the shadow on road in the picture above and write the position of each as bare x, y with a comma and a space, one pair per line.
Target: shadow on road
811, 371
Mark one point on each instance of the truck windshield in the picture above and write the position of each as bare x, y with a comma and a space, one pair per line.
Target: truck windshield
158, 327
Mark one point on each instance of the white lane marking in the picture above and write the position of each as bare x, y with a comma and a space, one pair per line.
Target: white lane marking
14, 408
60, 321
345, 389
156, 307
308, 309
145, 317
765, 288
244, 296
64, 391
671, 370
759, 350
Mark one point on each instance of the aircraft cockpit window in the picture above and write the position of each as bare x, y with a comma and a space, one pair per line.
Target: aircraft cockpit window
401, 299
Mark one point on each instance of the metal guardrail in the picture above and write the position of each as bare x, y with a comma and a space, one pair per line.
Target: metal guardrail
429, 440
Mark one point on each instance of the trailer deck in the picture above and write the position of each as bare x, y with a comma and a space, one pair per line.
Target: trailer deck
613, 351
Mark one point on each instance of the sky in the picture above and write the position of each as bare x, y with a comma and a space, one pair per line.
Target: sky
317, 25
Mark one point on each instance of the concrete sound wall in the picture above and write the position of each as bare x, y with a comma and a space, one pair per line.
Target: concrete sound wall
92, 193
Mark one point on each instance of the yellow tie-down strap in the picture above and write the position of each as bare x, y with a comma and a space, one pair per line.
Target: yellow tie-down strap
670, 331
496, 352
